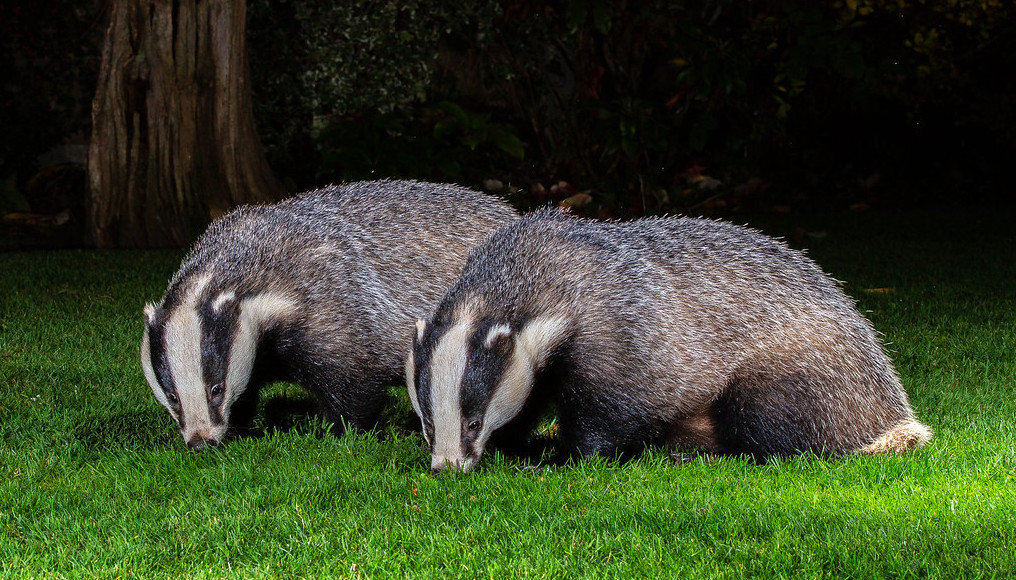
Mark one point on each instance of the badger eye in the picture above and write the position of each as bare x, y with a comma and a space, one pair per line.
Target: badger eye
171, 396
474, 426
216, 389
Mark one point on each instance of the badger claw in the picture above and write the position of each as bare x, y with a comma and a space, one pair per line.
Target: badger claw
682, 458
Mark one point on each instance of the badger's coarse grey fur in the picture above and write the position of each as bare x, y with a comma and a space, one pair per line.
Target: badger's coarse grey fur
321, 289
680, 331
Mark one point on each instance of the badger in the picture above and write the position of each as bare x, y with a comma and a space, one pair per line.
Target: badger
686, 332
321, 289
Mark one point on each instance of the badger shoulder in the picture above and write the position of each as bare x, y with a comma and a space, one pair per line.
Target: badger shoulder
390, 205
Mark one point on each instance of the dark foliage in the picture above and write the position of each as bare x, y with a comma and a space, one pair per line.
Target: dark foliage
642, 100
662, 106
699, 106
49, 60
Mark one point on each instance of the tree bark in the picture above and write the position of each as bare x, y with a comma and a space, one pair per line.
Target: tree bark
173, 138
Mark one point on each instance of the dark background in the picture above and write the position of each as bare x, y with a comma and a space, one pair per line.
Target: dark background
621, 109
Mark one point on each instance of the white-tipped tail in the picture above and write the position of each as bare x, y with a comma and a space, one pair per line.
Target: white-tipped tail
909, 434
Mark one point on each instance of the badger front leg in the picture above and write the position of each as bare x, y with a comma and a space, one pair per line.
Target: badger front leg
346, 400
599, 427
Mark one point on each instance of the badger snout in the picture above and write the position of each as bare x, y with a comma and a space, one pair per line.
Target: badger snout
458, 465
197, 442
439, 464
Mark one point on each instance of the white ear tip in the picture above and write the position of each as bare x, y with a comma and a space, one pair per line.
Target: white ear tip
149, 312
497, 331
223, 299
421, 325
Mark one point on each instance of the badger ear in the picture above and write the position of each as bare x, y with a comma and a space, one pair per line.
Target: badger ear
539, 337
223, 300
421, 327
498, 337
149, 311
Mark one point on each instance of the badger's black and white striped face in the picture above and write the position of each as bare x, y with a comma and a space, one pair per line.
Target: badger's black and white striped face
198, 356
470, 378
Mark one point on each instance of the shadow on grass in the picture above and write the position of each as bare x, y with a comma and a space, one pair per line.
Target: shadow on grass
252, 416
153, 428
295, 411
144, 429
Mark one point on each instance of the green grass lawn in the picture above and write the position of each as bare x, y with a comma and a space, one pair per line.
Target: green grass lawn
96, 481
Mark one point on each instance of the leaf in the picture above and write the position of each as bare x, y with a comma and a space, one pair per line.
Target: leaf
575, 201
446, 127
510, 144
456, 112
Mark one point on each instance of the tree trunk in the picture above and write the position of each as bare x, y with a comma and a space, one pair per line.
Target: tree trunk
173, 137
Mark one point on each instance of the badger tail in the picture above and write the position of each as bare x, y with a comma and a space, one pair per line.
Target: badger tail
909, 434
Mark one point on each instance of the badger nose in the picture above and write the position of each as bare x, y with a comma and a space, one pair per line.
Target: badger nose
437, 465
439, 471
460, 465
197, 443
